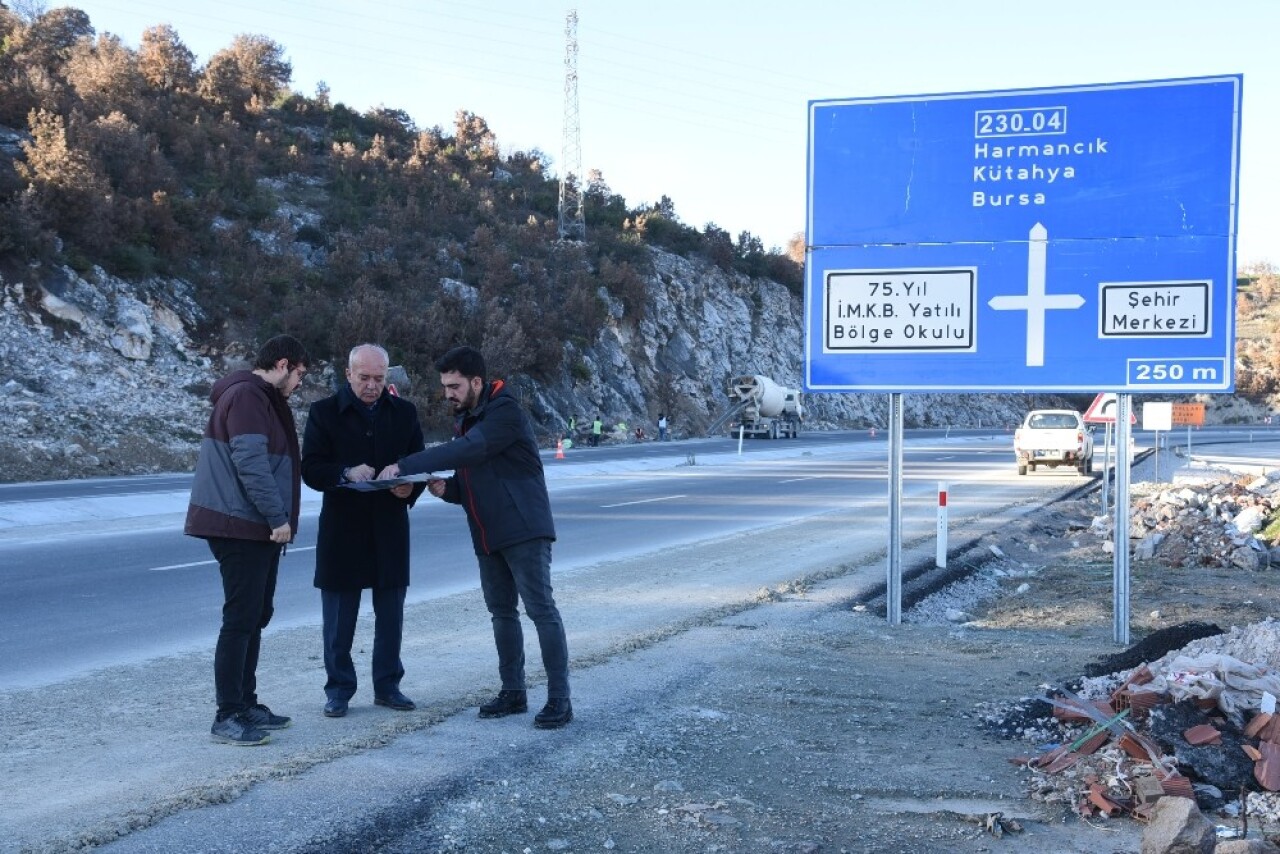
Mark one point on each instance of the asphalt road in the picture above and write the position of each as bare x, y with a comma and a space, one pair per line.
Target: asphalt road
85, 598
124, 759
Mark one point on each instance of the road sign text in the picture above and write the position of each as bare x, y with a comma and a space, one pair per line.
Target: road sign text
1165, 309
900, 310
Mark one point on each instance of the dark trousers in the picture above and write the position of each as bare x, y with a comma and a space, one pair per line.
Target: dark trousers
341, 608
522, 573
249, 569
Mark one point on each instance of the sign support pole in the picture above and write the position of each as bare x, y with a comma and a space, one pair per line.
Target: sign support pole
1106, 467
893, 582
1120, 557
1157, 456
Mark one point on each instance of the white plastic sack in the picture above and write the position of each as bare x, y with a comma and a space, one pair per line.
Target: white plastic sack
1235, 685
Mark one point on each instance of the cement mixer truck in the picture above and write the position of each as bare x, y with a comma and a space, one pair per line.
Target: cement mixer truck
765, 409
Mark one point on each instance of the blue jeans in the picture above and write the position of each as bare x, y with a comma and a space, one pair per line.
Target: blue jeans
340, 609
524, 570
249, 569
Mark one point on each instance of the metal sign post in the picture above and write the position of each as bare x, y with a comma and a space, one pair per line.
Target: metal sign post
1106, 467
1120, 558
893, 583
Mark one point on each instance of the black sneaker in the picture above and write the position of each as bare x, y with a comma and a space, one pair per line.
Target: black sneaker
556, 713
506, 703
263, 718
237, 730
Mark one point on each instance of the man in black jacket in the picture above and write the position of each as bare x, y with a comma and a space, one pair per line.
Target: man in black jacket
363, 540
499, 482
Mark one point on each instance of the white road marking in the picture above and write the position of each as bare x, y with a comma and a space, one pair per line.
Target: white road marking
211, 562
642, 501
798, 479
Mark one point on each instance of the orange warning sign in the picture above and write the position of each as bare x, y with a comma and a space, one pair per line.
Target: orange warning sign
1190, 414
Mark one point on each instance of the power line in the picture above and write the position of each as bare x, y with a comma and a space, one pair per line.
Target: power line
473, 67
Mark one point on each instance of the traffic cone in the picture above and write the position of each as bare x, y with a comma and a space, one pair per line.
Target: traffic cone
559, 449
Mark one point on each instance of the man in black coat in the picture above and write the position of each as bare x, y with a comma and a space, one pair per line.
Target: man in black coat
363, 539
498, 480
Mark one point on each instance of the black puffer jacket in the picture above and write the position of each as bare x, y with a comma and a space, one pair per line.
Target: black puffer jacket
497, 476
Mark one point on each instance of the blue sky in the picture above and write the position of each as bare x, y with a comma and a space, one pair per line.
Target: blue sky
706, 100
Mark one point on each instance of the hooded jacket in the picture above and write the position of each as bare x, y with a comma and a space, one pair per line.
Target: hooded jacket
248, 477
497, 475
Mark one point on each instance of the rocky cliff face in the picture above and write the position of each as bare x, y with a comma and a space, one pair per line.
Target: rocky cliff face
703, 327
98, 376
101, 376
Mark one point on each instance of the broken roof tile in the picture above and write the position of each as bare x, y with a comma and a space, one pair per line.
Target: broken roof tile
1067, 714
1093, 743
1178, 786
1138, 702
1139, 746
1267, 769
1062, 763
1256, 724
1203, 734
1098, 797
1270, 731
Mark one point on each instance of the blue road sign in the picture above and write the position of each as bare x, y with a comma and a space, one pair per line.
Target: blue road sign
1071, 239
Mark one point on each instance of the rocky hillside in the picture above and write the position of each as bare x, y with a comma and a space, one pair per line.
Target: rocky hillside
100, 376
160, 216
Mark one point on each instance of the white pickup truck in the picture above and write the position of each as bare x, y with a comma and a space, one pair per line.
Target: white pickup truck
1053, 437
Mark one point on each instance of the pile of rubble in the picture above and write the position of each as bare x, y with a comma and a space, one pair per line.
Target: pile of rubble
1199, 722
1215, 523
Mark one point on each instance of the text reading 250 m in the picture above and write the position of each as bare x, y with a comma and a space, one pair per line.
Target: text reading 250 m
1032, 121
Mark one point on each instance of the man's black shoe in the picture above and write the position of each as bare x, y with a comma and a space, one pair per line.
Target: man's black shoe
263, 718
506, 703
335, 708
556, 713
396, 701
236, 729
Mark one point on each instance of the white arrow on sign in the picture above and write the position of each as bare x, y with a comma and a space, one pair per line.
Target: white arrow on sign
1036, 302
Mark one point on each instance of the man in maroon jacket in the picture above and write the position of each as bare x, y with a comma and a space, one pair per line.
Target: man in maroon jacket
244, 503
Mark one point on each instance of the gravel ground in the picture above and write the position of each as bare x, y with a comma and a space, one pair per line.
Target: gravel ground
797, 725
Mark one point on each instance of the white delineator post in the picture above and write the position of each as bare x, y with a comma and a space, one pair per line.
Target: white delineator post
742, 431
940, 560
